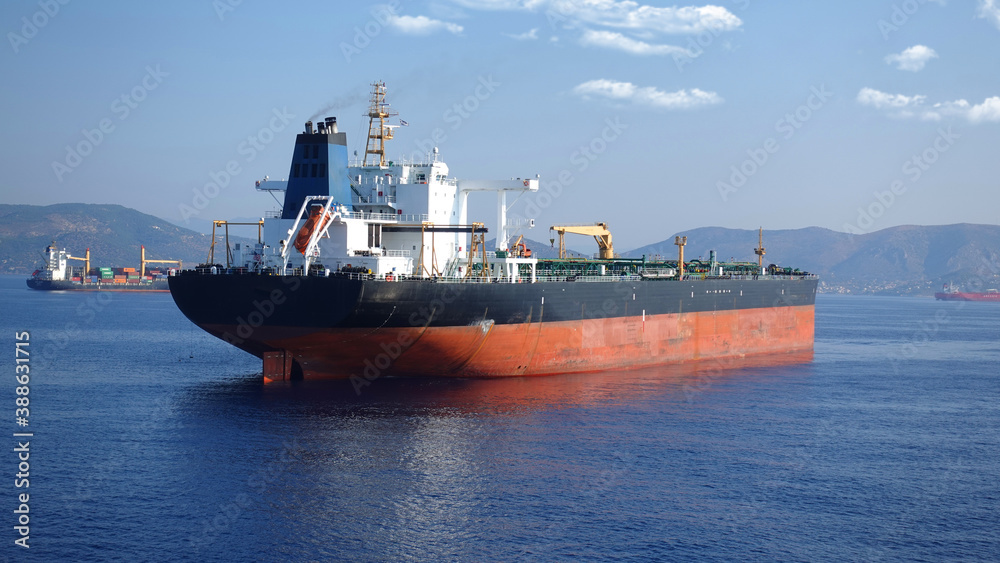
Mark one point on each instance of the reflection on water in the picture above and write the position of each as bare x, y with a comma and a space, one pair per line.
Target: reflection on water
157, 442
431, 465
396, 397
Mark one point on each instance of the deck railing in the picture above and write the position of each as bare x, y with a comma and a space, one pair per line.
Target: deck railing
609, 278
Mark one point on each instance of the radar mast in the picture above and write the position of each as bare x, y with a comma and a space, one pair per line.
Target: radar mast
377, 134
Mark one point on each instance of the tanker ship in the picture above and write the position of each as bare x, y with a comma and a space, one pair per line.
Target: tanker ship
952, 293
58, 274
372, 268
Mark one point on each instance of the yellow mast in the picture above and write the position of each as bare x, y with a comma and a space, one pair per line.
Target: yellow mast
86, 261
680, 242
599, 231
143, 261
759, 251
229, 254
377, 136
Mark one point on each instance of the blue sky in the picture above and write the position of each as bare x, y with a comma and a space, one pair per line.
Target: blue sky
654, 117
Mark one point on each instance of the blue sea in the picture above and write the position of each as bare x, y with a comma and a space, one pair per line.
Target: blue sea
153, 441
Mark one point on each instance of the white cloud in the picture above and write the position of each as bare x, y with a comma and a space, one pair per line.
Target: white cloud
501, 4
913, 58
989, 10
881, 100
626, 14
529, 35
613, 40
632, 15
903, 107
648, 95
989, 110
422, 25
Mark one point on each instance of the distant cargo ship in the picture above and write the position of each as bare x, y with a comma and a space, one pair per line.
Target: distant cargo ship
374, 268
951, 293
59, 275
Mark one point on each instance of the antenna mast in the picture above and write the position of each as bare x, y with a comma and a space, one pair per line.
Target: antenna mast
759, 251
377, 135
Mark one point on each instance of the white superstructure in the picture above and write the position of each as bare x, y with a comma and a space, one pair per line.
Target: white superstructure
402, 219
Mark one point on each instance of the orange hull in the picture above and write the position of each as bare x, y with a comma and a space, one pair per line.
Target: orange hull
527, 349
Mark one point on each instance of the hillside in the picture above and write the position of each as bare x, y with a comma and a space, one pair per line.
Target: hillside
898, 260
112, 232
541, 249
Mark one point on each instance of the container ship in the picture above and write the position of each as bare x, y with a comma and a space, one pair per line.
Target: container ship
951, 293
372, 268
58, 274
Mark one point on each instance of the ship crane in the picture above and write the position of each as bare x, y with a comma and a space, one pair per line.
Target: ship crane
86, 260
143, 261
229, 253
599, 231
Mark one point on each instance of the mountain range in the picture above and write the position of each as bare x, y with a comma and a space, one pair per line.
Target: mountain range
112, 233
907, 259
898, 260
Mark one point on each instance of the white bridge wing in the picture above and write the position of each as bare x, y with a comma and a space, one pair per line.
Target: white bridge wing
526, 184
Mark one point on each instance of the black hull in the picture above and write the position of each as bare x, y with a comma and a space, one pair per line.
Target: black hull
69, 285
264, 314
340, 302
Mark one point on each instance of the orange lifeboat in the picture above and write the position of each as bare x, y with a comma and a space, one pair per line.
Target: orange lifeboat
312, 223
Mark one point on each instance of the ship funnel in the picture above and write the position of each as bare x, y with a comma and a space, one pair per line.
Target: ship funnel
319, 167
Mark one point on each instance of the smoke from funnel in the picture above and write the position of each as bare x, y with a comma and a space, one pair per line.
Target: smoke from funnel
362, 96
351, 99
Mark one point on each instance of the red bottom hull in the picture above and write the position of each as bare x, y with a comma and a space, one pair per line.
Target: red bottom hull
528, 349
961, 296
